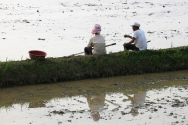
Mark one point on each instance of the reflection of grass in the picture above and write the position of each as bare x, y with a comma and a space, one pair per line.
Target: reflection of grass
60, 92
74, 68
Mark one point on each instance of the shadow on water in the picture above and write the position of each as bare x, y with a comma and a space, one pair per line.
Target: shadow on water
101, 99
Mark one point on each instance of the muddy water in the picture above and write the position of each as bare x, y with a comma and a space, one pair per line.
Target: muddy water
155, 99
63, 27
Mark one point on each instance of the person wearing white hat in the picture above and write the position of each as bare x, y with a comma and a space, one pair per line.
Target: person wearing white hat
138, 39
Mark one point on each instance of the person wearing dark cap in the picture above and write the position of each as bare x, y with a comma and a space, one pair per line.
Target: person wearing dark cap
138, 40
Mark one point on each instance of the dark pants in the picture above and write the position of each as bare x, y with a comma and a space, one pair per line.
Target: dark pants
130, 47
88, 50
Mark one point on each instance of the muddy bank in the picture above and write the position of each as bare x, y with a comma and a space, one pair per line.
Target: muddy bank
51, 70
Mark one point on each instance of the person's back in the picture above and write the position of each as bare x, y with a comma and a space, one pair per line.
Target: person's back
98, 45
140, 41
96, 102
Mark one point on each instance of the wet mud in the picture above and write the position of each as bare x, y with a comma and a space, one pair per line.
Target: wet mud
158, 98
63, 28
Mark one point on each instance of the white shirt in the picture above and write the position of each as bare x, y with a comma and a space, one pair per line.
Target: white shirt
98, 42
140, 41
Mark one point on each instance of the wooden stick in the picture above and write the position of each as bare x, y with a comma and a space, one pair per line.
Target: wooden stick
92, 48
105, 46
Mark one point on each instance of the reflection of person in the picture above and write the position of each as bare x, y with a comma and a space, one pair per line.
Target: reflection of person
96, 103
137, 101
97, 42
138, 38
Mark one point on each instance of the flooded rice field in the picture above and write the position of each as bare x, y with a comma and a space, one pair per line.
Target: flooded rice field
63, 27
150, 99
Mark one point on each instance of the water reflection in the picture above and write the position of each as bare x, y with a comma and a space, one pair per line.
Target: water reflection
96, 104
112, 101
137, 101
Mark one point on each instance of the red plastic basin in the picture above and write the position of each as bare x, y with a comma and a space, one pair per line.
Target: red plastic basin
36, 54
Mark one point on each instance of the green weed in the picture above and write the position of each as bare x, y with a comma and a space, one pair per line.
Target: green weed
27, 72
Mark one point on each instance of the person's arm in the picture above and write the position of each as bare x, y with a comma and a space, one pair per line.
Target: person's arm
129, 98
132, 41
128, 36
90, 43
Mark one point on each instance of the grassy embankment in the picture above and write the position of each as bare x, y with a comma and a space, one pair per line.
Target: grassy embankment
28, 72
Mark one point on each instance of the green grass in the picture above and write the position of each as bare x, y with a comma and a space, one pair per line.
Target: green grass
50, 70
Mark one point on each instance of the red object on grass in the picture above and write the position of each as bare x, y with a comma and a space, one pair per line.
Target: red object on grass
36, 54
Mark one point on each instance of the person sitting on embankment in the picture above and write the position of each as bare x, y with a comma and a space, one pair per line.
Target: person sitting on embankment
97, 42
138, 38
